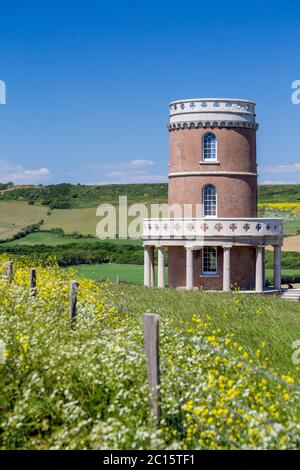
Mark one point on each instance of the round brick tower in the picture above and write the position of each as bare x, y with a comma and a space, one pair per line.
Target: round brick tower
231, 168
216, 241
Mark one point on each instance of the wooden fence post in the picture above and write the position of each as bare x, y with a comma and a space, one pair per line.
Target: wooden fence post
73, 300
9, 271
151, 337
32, 282
117, 279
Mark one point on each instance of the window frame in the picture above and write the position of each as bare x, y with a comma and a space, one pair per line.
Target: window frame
205, 159
203, 202
209, 273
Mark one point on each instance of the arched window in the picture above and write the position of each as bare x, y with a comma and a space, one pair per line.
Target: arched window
209, 201
209, 147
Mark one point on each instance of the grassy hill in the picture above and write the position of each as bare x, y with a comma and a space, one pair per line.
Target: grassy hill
227, 376
64, 196
72, 207
279, 193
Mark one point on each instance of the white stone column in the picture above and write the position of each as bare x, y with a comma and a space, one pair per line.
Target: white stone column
151, 258
226, 269
277, 267
189, 268
264, 266
161, 268
259, 269
146, 266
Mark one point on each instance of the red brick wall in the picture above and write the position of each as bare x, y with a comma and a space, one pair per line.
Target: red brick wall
236, 152
242, 264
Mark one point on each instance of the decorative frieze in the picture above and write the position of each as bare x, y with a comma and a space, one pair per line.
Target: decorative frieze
176, 126
186, 228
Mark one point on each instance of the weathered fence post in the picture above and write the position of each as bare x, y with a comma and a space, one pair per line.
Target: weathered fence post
32, 282
151, 337
73, 300
9, 271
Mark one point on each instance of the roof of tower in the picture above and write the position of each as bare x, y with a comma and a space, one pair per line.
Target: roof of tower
212, 112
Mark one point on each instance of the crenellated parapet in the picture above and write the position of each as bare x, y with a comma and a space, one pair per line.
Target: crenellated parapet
212, 113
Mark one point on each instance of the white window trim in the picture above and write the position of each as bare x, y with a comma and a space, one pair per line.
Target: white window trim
209, 273
209, 160
212, 217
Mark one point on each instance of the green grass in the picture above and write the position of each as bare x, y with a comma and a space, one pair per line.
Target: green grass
16, 215
251, 318
67, 195
81, 202
93, 375
81, 196
47, 238
73, 220
132, 273
51, 239
284, 272
291, 227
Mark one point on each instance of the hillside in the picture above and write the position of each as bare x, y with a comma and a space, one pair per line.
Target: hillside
65, 195
227, 380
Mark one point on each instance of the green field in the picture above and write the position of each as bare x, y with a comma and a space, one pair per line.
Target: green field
77, 195
52, 239
134, 273
73, 220
49, 239
16, 215
225, 364
291, 227
252, 319
284, 272
73, 207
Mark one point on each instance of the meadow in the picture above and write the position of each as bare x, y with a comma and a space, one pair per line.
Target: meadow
227, 378
73, 207
16, 215
134, 273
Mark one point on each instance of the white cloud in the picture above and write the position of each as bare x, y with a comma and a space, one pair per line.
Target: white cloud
287, 168
125, 165
19, 174
134, 171
266, 182
135, 179
141, 163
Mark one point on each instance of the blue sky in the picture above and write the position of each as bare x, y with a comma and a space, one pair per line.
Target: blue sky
89, 82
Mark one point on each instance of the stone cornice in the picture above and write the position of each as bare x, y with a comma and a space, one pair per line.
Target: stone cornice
211, 173
212, 125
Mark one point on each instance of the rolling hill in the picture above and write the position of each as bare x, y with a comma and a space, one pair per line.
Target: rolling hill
65, 195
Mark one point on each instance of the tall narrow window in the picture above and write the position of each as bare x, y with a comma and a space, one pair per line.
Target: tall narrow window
209, 201
209, 260
209, 147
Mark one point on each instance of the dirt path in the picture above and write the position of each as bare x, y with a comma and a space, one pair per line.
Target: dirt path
291, 243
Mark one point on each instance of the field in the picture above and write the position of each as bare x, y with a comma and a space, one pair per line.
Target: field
71, 220
126, 272
16, 215
134, 273
47, 238
291, 243
227, 378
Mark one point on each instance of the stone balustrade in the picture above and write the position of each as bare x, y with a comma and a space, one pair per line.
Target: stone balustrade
192, 228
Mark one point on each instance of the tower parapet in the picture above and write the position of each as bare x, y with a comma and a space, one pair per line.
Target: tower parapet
212, 112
